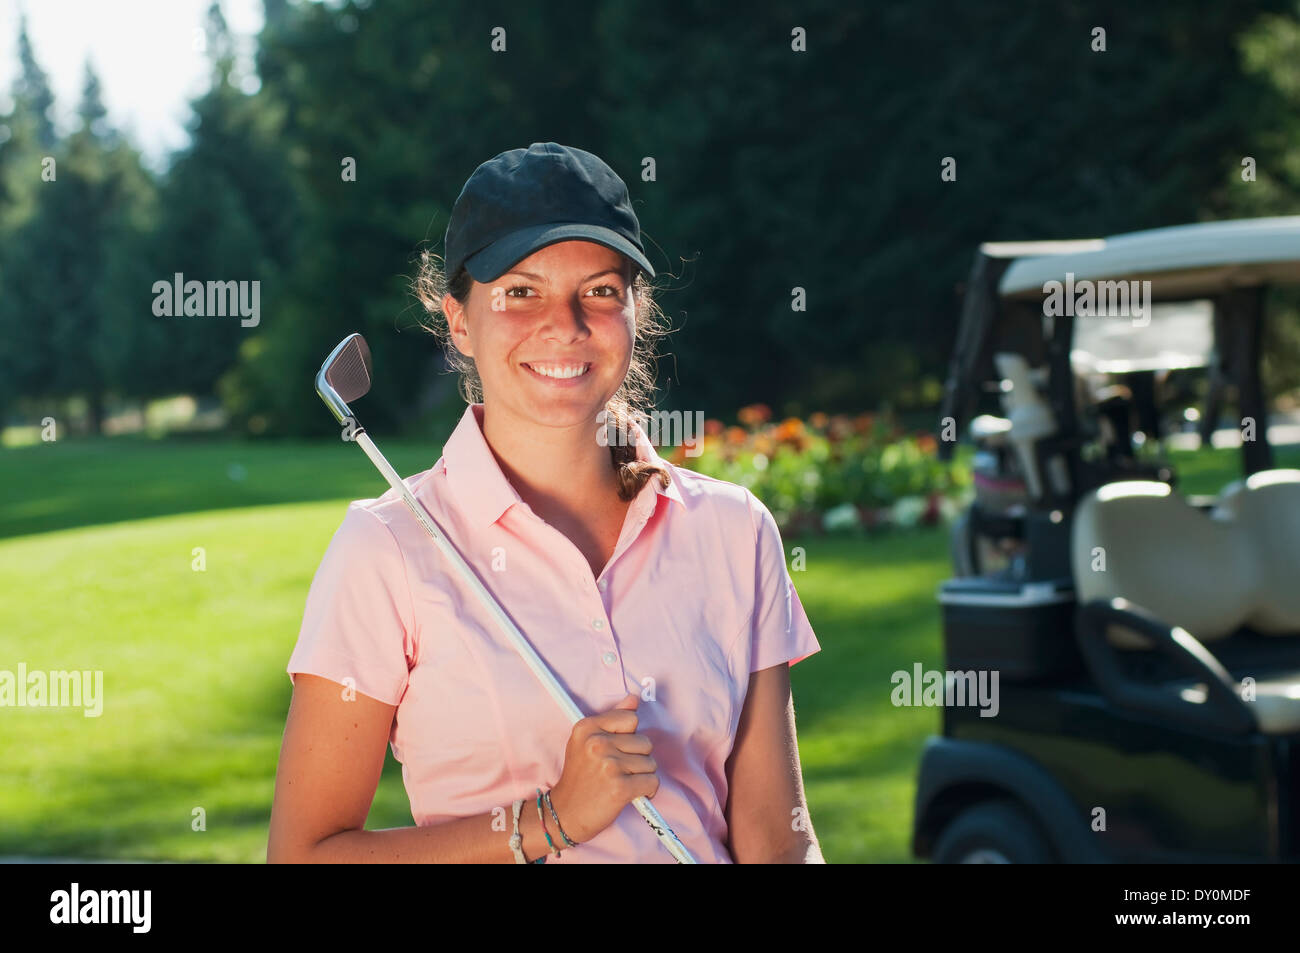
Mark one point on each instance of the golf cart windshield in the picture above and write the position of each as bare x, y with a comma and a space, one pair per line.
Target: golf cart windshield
1178, 335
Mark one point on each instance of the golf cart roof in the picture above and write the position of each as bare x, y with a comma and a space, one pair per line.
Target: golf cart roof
1183, 261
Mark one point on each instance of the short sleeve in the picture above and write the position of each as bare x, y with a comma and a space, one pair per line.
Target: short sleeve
780, 630
358, 622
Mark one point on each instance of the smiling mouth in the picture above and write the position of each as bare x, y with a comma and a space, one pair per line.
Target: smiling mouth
560, 372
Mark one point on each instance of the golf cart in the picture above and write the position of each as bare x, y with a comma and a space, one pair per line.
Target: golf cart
1146, 642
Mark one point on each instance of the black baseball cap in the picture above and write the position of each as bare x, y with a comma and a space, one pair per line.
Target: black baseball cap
524, 199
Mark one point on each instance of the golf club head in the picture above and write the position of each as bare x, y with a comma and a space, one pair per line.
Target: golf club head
345, 376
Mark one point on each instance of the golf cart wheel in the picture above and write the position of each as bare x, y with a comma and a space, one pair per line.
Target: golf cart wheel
996, 832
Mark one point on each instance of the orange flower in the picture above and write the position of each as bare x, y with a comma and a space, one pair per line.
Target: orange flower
926, 442
713, 427
790, 430
862, 423
818, 420
736, 435
754, 414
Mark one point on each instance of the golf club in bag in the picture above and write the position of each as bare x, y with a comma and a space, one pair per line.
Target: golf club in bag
345, 377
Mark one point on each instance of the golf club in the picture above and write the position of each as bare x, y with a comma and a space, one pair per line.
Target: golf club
344, 377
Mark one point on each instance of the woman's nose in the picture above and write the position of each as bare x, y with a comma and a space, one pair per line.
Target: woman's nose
565, 321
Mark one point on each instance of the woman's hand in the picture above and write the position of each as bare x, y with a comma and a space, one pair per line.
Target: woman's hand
606, 766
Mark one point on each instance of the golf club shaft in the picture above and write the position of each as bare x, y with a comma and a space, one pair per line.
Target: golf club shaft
647, 810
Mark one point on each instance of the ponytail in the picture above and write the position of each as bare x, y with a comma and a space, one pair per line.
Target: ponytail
632, 473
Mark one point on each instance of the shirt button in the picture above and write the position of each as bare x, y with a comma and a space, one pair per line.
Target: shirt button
598, 623
609, 658
603, 585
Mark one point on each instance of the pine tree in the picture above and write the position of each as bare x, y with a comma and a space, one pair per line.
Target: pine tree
26, 154
32, 91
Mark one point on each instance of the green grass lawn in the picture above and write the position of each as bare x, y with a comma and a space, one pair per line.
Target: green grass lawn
96, 543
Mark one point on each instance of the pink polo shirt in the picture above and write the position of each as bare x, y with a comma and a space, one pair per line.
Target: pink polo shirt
694, 599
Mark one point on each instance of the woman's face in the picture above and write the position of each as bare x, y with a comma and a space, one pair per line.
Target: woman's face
552, 338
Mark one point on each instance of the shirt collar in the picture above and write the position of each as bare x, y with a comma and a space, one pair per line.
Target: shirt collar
480, 488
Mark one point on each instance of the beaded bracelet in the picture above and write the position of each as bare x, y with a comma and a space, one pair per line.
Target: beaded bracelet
542, 817
517, 840
567, 841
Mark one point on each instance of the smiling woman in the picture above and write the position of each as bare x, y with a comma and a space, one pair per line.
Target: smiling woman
659, 597
519, 292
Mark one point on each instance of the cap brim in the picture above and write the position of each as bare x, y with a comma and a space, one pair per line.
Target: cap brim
492, 262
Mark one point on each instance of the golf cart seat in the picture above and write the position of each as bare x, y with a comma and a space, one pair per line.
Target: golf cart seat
1174, 570
1267, 507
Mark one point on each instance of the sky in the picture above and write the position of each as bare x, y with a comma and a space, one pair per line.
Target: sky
144, 51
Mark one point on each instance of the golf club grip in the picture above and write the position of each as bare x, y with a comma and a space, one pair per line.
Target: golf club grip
647, 810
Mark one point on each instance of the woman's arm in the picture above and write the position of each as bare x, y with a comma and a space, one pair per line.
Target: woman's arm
330, 763
767, 815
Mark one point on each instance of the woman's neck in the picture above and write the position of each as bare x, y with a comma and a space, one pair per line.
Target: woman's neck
553, 469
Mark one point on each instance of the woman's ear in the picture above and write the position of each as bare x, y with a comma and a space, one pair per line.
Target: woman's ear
456, 325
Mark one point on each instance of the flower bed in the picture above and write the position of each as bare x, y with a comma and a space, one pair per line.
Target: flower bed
833, 473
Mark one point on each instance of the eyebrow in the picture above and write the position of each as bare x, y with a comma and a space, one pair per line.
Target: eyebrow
529, 274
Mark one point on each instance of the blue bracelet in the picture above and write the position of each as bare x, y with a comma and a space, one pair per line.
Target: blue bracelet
542, 817
567, 841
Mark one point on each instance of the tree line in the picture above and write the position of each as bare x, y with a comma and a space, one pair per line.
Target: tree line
786, 165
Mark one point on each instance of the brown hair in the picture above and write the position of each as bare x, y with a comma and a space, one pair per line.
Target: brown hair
629, 403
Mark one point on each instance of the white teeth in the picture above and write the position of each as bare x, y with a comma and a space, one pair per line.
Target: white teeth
558, 372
